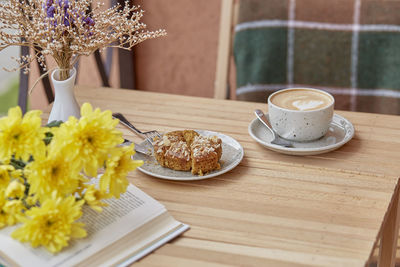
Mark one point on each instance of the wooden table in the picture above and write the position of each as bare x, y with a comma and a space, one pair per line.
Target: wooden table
272, 209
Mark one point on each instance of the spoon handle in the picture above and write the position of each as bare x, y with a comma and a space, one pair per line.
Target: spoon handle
260, 115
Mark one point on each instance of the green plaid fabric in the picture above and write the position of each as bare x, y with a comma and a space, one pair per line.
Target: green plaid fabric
350, 48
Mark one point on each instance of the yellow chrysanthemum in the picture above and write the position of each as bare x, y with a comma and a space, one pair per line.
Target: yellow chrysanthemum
89, 139
15, 189
94, 196
53, 173
3, 214
117, 167
52, 224
5, 176
21, 136
15, 210
7, 217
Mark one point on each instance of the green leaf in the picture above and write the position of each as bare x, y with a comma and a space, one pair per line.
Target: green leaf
48, 138
54, 124
17, 164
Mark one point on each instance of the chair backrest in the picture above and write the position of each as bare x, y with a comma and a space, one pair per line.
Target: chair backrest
221, 87
347, 47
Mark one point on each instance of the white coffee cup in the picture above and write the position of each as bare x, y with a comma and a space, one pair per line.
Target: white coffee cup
300, 114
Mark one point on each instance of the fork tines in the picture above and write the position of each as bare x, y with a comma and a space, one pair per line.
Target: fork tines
151, 135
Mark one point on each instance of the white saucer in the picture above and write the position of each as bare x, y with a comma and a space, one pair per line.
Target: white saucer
340, 132
232, 155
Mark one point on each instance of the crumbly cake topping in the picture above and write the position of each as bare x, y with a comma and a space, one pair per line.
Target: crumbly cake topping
204, 145
214, 138
165, 141
179, 150
203, 151
206, 139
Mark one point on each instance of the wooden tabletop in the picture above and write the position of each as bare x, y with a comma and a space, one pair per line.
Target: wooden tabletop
272, 209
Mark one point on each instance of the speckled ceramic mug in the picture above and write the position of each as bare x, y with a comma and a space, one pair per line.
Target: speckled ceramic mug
300, 114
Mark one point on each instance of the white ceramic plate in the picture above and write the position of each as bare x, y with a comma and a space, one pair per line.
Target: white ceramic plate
232, 155
340, 132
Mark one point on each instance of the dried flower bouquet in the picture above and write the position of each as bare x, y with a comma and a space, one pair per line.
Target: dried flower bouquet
67, 29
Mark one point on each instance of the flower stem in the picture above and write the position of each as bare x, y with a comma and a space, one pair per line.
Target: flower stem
64, 74
63, 60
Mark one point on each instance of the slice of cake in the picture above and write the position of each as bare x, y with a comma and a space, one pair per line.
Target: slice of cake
171, 151
205, 154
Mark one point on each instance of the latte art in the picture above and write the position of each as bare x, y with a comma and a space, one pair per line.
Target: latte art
301, 99
307, 104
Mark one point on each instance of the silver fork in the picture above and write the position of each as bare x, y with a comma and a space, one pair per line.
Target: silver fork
277, 140
150, 135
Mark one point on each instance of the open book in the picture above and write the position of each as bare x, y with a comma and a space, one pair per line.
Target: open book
126, 230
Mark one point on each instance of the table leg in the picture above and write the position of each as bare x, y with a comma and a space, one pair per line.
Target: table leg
390, 232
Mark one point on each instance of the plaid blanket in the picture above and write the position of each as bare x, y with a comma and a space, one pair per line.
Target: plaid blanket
350, 48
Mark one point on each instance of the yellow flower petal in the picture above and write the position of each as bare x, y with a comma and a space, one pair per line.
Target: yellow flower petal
15, 112
86, 109
5, 176
93, 198
78, 231
15, 190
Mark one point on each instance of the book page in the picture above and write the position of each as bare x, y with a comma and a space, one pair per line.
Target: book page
138, 243
132, 210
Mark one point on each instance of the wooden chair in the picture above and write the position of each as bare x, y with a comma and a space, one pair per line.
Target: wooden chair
228, 16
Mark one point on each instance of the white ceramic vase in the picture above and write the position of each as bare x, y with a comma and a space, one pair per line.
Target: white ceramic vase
65, 104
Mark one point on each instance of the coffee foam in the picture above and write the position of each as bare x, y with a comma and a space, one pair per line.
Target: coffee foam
301, 99
308, 104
